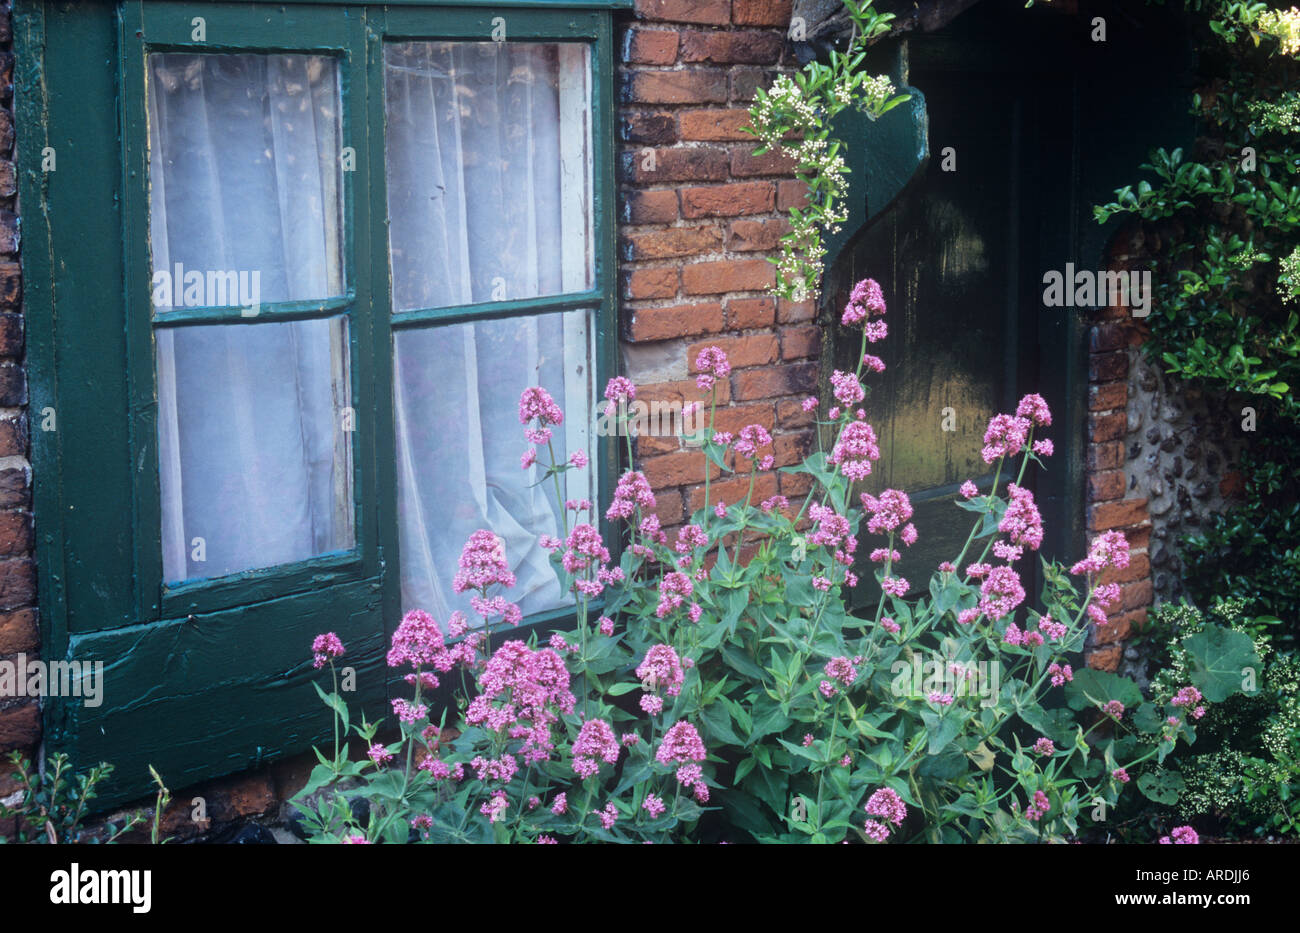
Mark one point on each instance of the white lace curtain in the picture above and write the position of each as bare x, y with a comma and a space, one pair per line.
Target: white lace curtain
488, 178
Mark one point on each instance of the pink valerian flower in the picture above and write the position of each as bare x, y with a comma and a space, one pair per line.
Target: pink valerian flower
827, 688
379, 754
1044, 448
495, 769
834, 413
1035, 409
417, 641
652, 703
325, 648
967, 616
875, 331
842, 669
723, 438
876, 830
969, 490
889, 625
908, 534
807, 739
1109, 549
888, 511
654, 806
482, 563
510, 612
631, 493
606, 625
1000, 593
1187, 696
1106, 595
776, 502
578, 459
661, 670
1038, 807
531, 688
560, 806
854, 450
940, 699
1013, 635
1032, 639
752, 438
423, 821
865, 300
673, 590
680, 744
947, 567
545, 840
885, 804
822, 583
880, 555
810, 403
619, 390
1114, 709
409, 712
529, 458
1007, 552
846, 761
573, 505
1045, 746
712, 364
608, 816
355, 840
1121, 775
1022, 522
536, 403
720, 510
595, 740
585, 558
1005, 437
690, 536
895, 586
1182, 836
846, 388
630, 739
1097, 614
1051, 628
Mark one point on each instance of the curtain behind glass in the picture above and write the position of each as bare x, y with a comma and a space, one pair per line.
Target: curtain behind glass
244, 178
488, 175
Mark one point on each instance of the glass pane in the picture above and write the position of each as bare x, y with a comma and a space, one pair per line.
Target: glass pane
459, 443
488, 171
244, 176
254, 445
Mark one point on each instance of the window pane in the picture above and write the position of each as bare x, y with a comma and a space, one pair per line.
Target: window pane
488, 171
254, 441
459, 443
244, 168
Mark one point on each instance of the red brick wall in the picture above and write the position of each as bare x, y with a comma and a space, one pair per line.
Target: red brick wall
1109, 506
700, 214
20, 721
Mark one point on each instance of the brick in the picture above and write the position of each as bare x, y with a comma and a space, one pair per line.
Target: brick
1123, 514
17, 583
1107, 336
714, 125
11, 335
1107, 367
6, 131
20, 726
650, 207
1105, 486
733, 491
795, 312
756, 235
1233, 485
1106, 658
1139, 537
1139, 568
15, 533
728, 275
745, 164
800, 343
1107, 397
703, 12
679, 469
8, 232
732, 47
677, 321
797, 379
8, 181
1102, 428
795, 484
649, 446
1106, 456
670, 243
744, 313
15, 488
668, 506
1137, 595
650, 283
790, 414
695, 86
19, 632
650, 46
791, 194
761, 12
742, 352
745, 81
684, 390
729, 200
11, 283
1117, 628
792, 448
736, 417
662, 166
653, 127
13, 385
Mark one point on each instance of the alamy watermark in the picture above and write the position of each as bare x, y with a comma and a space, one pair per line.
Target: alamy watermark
944, 679
1088, 289
651, 419
36, 678
179, 287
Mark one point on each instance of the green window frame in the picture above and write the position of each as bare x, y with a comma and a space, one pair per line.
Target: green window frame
212, 676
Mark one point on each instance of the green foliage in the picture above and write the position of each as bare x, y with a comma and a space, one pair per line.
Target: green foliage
54, 804
1227, 220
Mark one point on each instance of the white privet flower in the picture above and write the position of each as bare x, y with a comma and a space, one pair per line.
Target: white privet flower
1283, 25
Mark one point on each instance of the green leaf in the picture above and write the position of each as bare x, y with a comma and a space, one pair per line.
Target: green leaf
1161, 786
1218, 659
1094, 688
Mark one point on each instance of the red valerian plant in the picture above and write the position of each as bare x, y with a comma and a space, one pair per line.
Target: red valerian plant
717, 687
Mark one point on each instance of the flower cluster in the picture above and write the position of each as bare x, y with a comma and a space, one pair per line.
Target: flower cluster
595, 740
889, 807
631, 493
713, 365
855, 449
523, 691
325, 648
